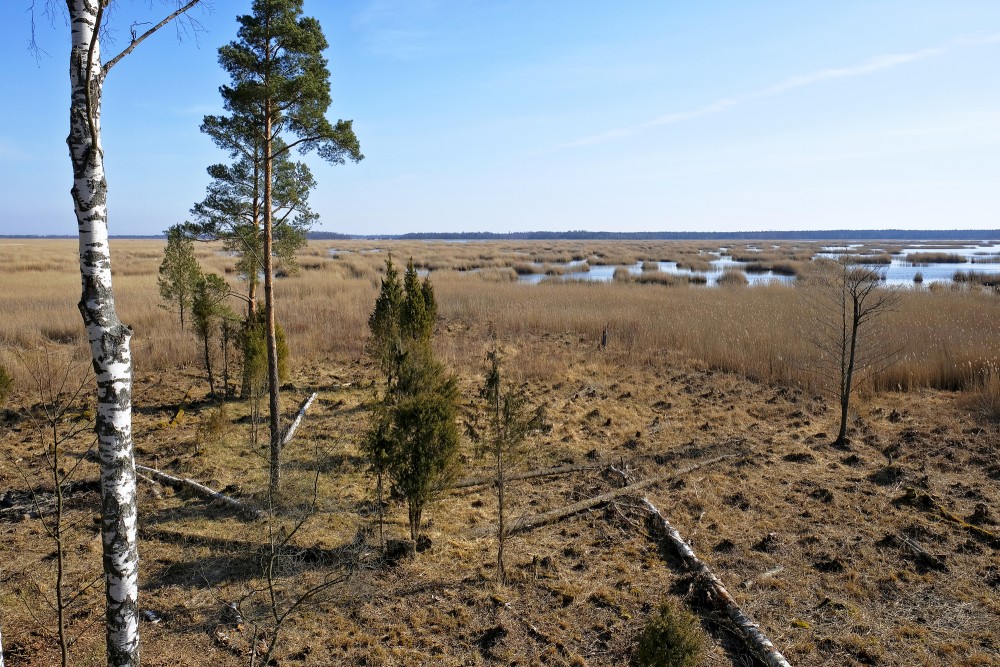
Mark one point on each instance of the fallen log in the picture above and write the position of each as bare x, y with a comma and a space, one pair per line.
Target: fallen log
525, 524
530, 474
298, 420
201, 490
750, 631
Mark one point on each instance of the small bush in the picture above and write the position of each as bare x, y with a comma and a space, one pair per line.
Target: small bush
213, 428
672, 638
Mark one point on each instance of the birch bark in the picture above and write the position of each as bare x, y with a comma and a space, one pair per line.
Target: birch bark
108, 337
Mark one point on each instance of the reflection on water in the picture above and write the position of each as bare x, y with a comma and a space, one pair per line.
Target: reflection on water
604, 274
984, 258
981, 258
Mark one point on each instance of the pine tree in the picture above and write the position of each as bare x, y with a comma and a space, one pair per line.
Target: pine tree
179, 272
232, 210
278, 101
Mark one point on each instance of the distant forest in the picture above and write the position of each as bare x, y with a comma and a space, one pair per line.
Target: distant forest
582, 235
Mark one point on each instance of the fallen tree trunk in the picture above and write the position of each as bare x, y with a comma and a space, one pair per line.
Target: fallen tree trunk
201, 490
530, 474
531, 522
751, 633
298, 420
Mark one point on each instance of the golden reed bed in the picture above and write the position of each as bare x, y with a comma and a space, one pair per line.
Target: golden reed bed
947, 338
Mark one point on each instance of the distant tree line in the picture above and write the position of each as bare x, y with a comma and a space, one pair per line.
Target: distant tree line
583, 235
800, 235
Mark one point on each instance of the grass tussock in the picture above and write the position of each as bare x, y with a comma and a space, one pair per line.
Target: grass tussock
697, 264
991, 280
880, 259
781, 268
925, 258
733, 278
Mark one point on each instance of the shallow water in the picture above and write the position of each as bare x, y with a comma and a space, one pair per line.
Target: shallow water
983, 258
607, 273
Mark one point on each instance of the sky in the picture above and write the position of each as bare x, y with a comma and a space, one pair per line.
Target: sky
518, 115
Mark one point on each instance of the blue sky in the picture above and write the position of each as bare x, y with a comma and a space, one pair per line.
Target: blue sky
513, 115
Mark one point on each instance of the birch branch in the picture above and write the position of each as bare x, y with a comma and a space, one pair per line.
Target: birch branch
750, 631
298, 420
137, 40
201, 490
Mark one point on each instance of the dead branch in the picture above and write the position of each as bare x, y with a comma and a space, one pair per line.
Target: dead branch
139, 39
530, 474
921, 555
525, 524
201, 490
711, 584
298, 420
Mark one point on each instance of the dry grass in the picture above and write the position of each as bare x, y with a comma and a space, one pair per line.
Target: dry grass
925, 258
882, 258
944, 337
986, 392
991, 280
805, 536
798, 531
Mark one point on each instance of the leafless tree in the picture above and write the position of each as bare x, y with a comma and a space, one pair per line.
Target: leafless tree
281, 592
845, 301
57, 382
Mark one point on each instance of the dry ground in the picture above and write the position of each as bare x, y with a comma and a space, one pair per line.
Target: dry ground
811, 540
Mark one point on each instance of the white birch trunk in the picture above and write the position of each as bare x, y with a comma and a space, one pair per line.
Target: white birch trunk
751, 632
108, 337
1, 647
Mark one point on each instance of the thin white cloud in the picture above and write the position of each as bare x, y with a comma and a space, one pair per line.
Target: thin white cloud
11, 151
396, 29
876, 64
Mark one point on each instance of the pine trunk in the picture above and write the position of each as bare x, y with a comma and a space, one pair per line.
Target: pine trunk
109, 340
272, 344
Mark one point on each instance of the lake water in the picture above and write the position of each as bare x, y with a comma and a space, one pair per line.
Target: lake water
982, 258
604, 274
